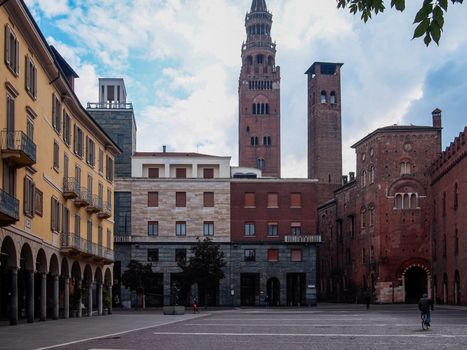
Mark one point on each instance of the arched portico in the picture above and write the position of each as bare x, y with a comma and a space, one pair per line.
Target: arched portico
9, 281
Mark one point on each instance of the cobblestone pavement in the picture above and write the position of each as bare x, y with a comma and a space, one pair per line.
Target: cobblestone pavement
324, 327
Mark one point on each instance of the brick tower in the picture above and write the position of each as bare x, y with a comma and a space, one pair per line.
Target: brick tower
324, 122
259, 95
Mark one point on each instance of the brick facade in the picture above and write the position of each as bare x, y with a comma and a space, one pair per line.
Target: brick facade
449, 213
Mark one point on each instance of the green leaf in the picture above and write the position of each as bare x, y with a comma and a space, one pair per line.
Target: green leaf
427, 39
423, 13
435, 32
421, 28
443, 4
398, 4
438, 16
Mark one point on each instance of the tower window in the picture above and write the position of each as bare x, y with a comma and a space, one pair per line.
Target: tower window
260, 163
405, 168
267, 140
254, 141
333, 98
323, 97
259, 59
260, 108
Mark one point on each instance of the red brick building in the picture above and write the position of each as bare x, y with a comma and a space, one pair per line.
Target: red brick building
390, 251
259, 95
449, 213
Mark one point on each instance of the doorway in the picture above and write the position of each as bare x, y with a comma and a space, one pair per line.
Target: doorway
273, 286
415, 279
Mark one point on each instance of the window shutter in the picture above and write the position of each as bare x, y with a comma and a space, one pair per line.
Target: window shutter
27, 73
52, 212
26, 196
75, 139
17, 56
7, 44
54, 123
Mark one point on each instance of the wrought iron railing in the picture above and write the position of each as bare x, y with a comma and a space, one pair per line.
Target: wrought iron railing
110, 105
9, 205
303, 239
74, 241
18, 141
71, 185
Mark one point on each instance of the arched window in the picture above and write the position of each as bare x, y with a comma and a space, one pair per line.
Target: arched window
267, 108
363, 218
413, 201
267, 140
372, 254
372, 174
259, 59
456, 242
363, 179
405, 168
254, 108
372, 216
456, 196
323, 97
398, 204
260, 163
364, 258
406, 201
332, 99
254, 141
444, 246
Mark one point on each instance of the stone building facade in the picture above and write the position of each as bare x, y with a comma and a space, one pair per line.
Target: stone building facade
259, 95
449, 221
390, 251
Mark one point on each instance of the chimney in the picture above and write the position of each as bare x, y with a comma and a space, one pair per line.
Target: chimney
345, 180
436, 118
164, 148
352, 176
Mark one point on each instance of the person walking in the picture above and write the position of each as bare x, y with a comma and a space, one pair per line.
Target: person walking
425, 305
195, 306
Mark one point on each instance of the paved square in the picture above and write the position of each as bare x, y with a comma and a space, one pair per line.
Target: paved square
324, 327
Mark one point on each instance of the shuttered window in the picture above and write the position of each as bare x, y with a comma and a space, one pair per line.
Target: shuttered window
208, 173
249, 200
208, 199
273, 255
11, 50
153, 173
296, 255
180, 199
153, 199
295, 200
180, 173
273, 200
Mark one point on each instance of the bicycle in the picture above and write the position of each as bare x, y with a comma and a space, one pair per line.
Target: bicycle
425, 324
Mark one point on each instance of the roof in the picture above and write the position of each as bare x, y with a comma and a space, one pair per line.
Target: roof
259, 6
326, 67
63, 64
395, 128
175, 154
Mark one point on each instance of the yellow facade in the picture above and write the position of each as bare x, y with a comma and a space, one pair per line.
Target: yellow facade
52, 79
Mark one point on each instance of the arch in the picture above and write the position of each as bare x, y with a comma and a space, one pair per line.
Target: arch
98, 277
65, 270
323, 97
8, 253
76, 271
406, 185
54, 266
273, 291
87, 274
415, 283
41, 262
108, 277
332, 99
260, 163
26, 258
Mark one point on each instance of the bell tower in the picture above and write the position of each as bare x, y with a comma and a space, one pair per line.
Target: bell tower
259, 95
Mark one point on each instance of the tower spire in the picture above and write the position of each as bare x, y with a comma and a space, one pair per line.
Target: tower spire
259, 6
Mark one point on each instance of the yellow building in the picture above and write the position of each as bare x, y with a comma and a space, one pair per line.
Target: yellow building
56, 176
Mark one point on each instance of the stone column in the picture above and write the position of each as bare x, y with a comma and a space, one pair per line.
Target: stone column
111, 300
167, 291
43, 311
90, 299
30, 297
66, 298
99, 299
80, 310
14, 297
55, 298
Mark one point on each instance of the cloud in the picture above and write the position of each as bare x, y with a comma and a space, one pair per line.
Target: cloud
181, 63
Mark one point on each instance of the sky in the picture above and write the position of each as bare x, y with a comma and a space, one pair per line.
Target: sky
181, 62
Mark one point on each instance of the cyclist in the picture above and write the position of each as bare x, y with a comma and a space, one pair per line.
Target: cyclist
425, 305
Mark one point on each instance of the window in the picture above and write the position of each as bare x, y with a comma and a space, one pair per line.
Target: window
295, 229
363, 179
56, 114
371, 220
56, 154
352, 225
208, 199
101, 162
180, 199
109, 197
273, 200
444, 246
267, 140
89, 186
406, 201
30, 129
90, 152
273, 255
55, 215
260, 163
66, 128
363, 256
109, 172
254, 141
456, 242
31, 77
372, 174
295, 200
65, 166
153, 173
249, 199
153, 228
249, 229
78, 141
444, 203
249, 255
180, 173
332, 99
65, 220
405, 168
28, 197
77, 225
323, 97
153, 255
208, 228
273, 229
180, 255
38, 202
208, 173
153, 199
259, 59
296, 255
11, 50
372, 254
109, 238
260, 108
180, 228
363, 218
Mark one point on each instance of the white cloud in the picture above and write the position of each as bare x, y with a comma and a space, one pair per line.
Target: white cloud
193, 104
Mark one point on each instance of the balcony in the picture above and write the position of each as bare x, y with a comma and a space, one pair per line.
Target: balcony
110, 105
9, 209
18, 148
82, 199
94, 204
303, 239
71, 188
74, 245
106, 210
122, 239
